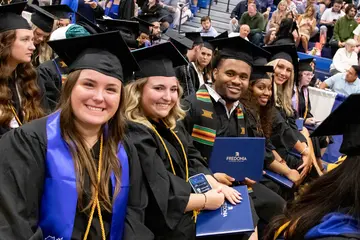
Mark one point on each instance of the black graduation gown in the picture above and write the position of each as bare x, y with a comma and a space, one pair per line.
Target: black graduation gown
188, 79
17, 105
168, 193
284, 137
50, 77
22, 170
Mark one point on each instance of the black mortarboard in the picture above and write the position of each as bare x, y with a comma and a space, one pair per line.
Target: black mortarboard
128, 29
285, 51
97, 52
60, 11
158, 60
222, 35
260, 72
181, 42
344, 120
209, 46
87, 24
304, 64
207, 38
144, 26
42, 18
11, 19
239, 48
195, 37
150, 18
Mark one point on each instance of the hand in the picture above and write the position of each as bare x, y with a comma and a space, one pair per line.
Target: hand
92, 4
171, 9
224, 178
293, 175
310, 121
231, 195
214, 199
306, 164
249, 182
233, 21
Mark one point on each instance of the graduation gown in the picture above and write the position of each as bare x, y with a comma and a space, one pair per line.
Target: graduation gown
188, 79
284, 137
168, 193
22, 174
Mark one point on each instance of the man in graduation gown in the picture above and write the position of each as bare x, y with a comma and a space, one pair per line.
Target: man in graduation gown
216, 112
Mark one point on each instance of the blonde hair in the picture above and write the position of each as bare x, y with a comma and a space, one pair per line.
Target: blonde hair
133, 109
44, 50
283, 93
282, 2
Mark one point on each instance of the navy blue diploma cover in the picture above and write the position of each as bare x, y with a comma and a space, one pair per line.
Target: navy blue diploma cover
228, 219
238, 157
279, 179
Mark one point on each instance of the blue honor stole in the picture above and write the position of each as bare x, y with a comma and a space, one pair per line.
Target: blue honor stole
59, 200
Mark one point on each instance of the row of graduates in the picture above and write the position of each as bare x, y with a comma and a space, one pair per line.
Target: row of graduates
83, 172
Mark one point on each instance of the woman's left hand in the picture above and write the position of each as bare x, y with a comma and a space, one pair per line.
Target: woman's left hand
231, 194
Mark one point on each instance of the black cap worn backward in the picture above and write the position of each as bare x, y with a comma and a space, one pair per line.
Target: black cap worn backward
304, 64
261, 72
195, 37
60, 11
11, 19
97, 52
42, 18
238, 48
158, 60
344, 120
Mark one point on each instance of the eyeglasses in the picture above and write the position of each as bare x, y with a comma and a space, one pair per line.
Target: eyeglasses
308, 74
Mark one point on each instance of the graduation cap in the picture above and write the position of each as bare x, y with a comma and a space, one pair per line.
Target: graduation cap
60, 11
150, 18
128, 29
144, 26
181, 42
97, 52
195, 37
260, 72
285, 51
11, 19
87, 24
158, 60
222, 35
207, 38
344, 120
238, 48
304, 64
42, 18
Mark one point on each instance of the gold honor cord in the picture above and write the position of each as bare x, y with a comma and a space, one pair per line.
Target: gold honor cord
15, 114
96, 203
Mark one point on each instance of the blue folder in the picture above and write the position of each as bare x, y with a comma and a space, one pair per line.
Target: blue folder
299, 123
228, 219
279, 179
238, 157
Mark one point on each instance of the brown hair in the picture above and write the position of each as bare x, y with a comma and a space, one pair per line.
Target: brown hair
82, 156
28, 88
204, 19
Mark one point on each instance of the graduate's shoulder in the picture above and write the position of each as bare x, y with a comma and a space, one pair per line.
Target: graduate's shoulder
136, 128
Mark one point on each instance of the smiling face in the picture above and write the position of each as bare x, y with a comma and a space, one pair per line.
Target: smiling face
159, 96
23, 46
231, 78
262, 91
95, 98
282, 71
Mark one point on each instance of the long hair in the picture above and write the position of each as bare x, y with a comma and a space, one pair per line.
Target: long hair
310, 7
266, 113
44, 51
335, 191
134, 112
26, 76
283, 93
84, 163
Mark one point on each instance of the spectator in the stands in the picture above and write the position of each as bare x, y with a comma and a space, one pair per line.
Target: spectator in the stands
302, 8
285, 34
264, 5
344, 83
291, 7
236, 14
206, 29
270, 37
356, 33
154, 8
256, 22
278, 15
330, 16
306, 23
344, 58
344, 28
244, 31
